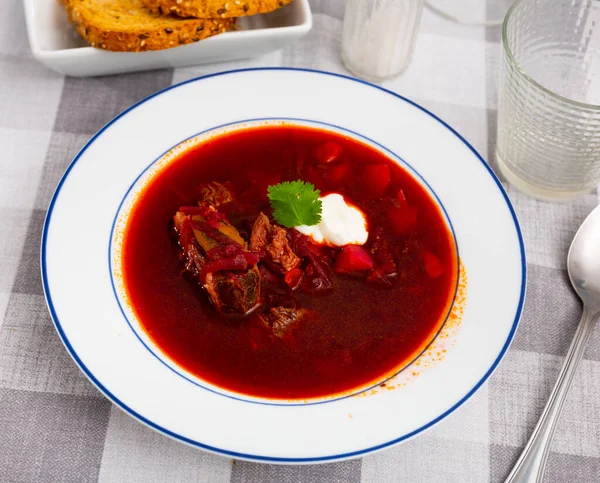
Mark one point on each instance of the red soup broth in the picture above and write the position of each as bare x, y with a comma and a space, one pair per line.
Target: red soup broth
353, 336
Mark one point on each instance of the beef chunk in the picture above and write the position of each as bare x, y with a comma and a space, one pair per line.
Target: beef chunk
233, 292
280, 251
260, 233
215, 194
193, 259
280, 319
273, 241
216, 256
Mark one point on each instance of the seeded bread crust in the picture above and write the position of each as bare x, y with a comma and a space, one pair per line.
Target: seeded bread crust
214, 8
128, 26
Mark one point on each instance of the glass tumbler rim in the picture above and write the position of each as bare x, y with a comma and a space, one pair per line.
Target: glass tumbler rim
511, 58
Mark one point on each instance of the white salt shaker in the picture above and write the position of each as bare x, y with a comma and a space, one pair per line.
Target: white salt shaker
379, 36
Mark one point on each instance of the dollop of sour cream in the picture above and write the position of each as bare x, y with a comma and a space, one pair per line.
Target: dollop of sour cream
341, 224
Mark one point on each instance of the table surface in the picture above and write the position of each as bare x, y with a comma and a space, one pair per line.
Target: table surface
55, 426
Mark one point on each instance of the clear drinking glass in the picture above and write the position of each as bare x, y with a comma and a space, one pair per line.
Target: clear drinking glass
549, 104
379, 36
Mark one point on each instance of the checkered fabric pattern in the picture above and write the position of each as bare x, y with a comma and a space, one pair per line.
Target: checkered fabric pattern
56, 427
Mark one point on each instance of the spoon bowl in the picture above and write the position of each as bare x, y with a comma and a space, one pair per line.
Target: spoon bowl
583, 264
583, 261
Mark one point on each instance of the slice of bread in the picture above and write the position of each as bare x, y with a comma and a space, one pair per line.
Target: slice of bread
127, 25
214, 8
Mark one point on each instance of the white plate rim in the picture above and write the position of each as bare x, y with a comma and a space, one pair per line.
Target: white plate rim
262, 458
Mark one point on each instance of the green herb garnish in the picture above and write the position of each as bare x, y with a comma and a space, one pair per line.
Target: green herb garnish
295, 203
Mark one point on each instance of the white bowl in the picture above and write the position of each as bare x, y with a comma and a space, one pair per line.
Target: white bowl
81, 239
55, 43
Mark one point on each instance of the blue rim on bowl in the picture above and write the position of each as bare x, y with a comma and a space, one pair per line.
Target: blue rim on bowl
262, 458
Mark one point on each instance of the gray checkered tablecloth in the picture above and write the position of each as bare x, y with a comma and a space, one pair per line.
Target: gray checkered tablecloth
55, 426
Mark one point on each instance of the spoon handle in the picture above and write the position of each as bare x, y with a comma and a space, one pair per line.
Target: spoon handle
530, 465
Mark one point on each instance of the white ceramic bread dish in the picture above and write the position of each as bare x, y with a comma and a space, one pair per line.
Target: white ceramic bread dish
55, 43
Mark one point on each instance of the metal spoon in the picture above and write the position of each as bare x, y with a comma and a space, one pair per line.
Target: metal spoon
583, 264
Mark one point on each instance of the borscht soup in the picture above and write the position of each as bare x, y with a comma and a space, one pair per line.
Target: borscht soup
287, 262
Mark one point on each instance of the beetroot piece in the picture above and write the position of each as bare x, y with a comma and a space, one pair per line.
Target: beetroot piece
293, 278
193, 210
337, 173
376, 178
433, 266
328, 153
353, 258
403, 219
401, 197
236, 263
322, 279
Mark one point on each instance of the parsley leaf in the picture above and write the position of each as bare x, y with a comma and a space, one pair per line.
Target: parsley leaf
295, 203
